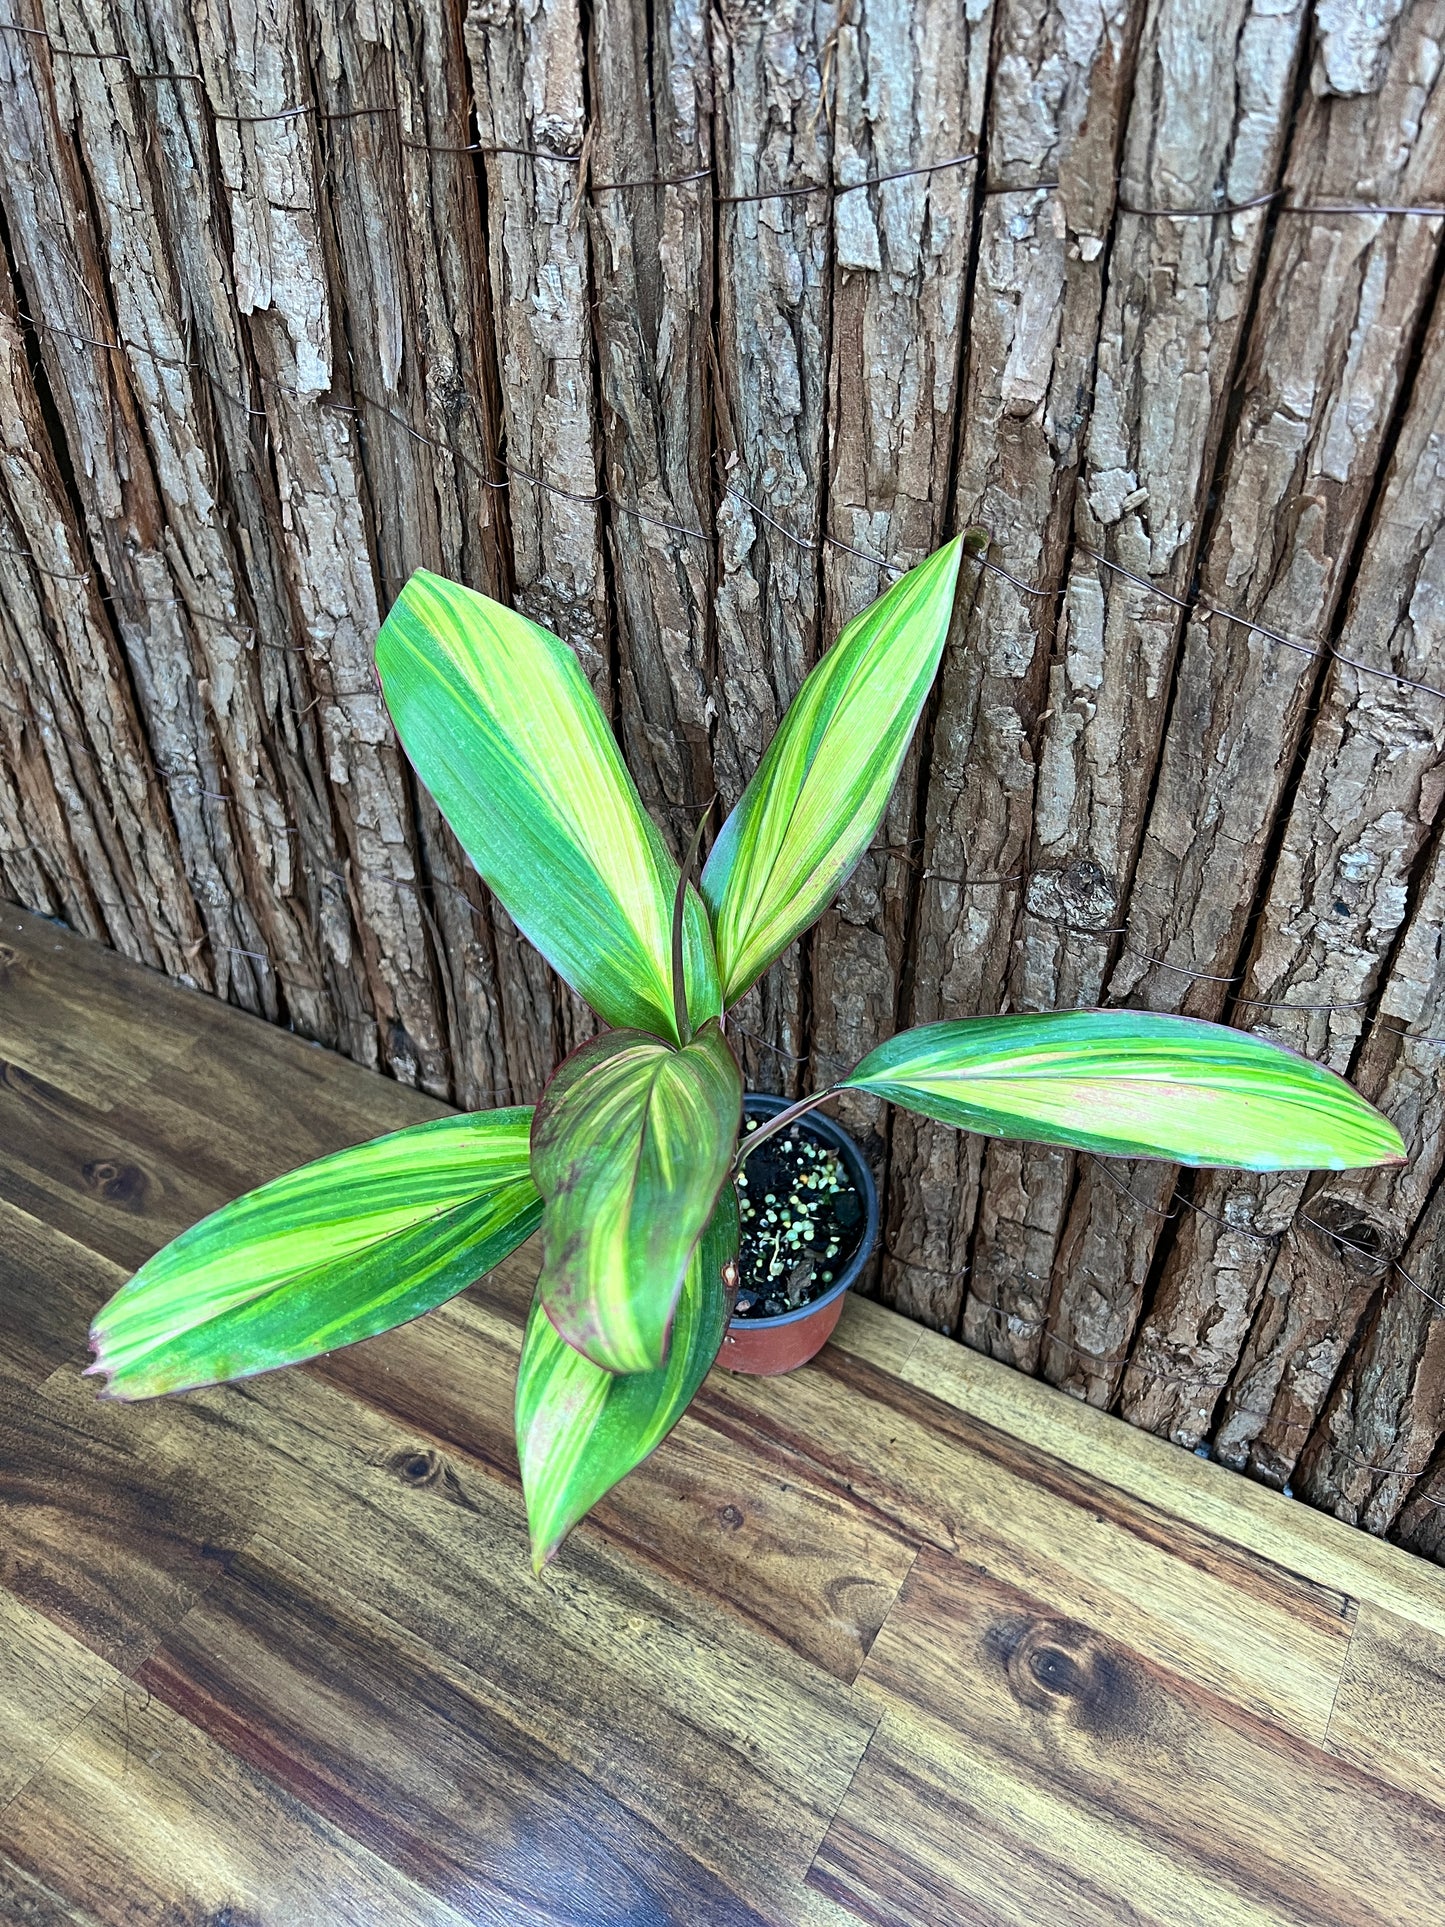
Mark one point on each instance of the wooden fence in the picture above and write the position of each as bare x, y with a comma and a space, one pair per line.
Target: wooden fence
681, 326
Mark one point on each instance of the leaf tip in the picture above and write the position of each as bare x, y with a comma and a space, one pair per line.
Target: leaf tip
100, 1365
1393, 1149
542, 1557
582, 1333
545, 1536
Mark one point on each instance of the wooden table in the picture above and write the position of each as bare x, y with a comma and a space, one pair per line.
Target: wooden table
904, 1637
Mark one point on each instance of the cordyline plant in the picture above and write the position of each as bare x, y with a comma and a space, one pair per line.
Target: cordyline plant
627, 1163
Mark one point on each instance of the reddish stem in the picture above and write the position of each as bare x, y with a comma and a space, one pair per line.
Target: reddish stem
775, 1124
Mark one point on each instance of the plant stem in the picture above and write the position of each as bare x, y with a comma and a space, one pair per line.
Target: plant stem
679, 912
775, 1124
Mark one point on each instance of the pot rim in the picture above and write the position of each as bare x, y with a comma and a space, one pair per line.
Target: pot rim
765, 1104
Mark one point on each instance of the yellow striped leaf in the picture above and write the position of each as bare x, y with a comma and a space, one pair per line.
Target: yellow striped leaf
1128, 1083
501, 725
580, 1429
342, 1249
821, 789
631, 1145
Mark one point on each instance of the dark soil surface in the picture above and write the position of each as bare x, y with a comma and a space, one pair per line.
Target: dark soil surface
802, 1220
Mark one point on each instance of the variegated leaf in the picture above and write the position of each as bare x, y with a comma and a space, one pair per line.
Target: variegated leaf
631, 1145
1127, 1083
821, 789
341, 1249
580, 1429
501, 726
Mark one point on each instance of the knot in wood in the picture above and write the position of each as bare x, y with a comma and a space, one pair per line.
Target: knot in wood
1059, 1666
122, 1184
1354, 1239
418, 1465
1081, 896
426, 1470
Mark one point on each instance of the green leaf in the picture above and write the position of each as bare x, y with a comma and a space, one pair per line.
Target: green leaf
1127, 1083
502, 727
822, 787
580, 1429
631, 1145
341, 1249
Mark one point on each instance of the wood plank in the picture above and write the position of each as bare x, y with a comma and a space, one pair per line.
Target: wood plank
374, 1730
114, 1518
1083, 1781
139, 1817
870, 1330
742, 1668
97, 1025
122, 1568
48, 1683
1389, 1713
1181, 1485
112, 1182
715, 1735
1261, 1636
24, 1898
775, 1543
44, 1304
791, 1555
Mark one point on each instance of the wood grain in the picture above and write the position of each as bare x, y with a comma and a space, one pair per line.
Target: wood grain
140, 1816
905, 1636
1179, 1484
1084, 1780
1390, 1703
948, 1481
48, 1683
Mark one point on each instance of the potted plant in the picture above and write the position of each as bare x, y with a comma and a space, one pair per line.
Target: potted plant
808, 1211
631, 1164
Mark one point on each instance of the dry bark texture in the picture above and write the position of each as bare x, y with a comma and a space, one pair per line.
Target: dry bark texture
1059, 97
774, 253
910, 80
1340, 304
611, 311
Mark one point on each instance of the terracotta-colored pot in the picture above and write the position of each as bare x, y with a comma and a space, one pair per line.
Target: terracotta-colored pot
767, 1346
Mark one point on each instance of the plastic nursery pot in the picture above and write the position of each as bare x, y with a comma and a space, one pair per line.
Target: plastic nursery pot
770, 1345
